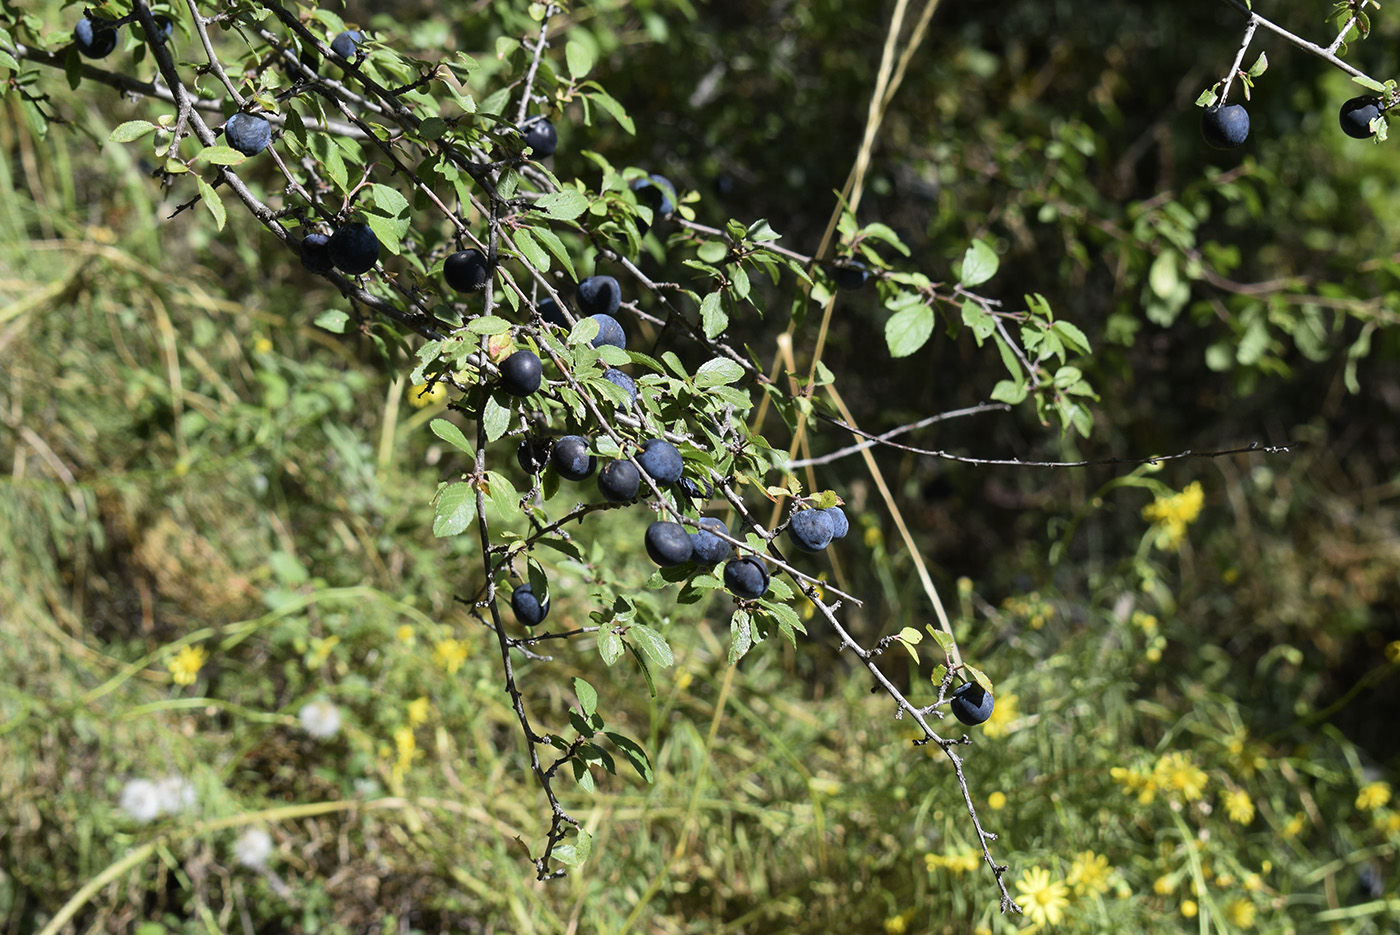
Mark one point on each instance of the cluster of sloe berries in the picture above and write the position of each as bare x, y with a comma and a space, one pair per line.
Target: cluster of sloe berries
1227, 126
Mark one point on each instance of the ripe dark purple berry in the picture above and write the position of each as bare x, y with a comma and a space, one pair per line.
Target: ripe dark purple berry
851, 275
661, 460
552, 313
346, 43
571, 459
668, 544
540, 136
533, 454
746, 577
971, 703
609, 332
248, 133
465, 270
94, 41
599, 295
315, 255
520, 373
810, 530
354, 249
840, 525
619, 482
527, 607
1225, 127
693, 490
710, 549
618, 378
1356, 116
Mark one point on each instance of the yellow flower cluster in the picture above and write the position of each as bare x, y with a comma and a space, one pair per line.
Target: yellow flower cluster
1373, 795
957, 863
1089, 873
449, 654
1174, 775
1238, 806
1172, 514
1032, 608
184, 667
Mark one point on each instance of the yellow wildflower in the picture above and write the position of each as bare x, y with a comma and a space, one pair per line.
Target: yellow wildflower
996, 801
262, 346
1387, 821
1170, 515
1176, 772
1134, 782
1163, 885
1253, 883
1392, 651
1043, 900
450, 654
404, 634
1188, 908
957, 863
1003, 713
320, 651
421, 397
1239, 806
417, 711
1373, 795
1089, 873
1241, 913
1293, 826
898, 925
405, 743
187, 662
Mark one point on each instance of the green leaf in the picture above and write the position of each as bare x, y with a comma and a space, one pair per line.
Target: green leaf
212, 201
503, 495
531, 251
979, 264
979, 677
455, 509
565, 204
610, 645
554, 245
489, 324
1009, 391
634, 753
587, 696
943, 638
713, 317
1072, 336
1162, 277
131, 130
333, 320
1369, 83
908, 330
713, 251
1261, 64
718, 372
652, 643
979, 320
452, 435
740, 635
619, 113
579, 58
221, 156
644, 666
495, 418
574, 855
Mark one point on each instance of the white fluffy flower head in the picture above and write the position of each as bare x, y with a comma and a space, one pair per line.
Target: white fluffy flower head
320, 719
253, 848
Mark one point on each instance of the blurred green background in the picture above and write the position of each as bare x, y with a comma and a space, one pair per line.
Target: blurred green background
1195, 666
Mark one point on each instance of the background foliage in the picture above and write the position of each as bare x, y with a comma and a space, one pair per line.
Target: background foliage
193, 463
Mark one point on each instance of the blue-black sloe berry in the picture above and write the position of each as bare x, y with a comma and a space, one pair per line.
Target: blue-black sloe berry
533, 454
599, 295
840, 525
354, 248
810, 530
661, 460
1225, 127
618, 378
571, 459
248, 133
347, 42
94, 41
710, 549
552, 313
668, 544
465, 270
609, 332
1356, 116
520, 373
540, 136
527, 607
851, 275
619, 481
315, 255
971, 703
746, 577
